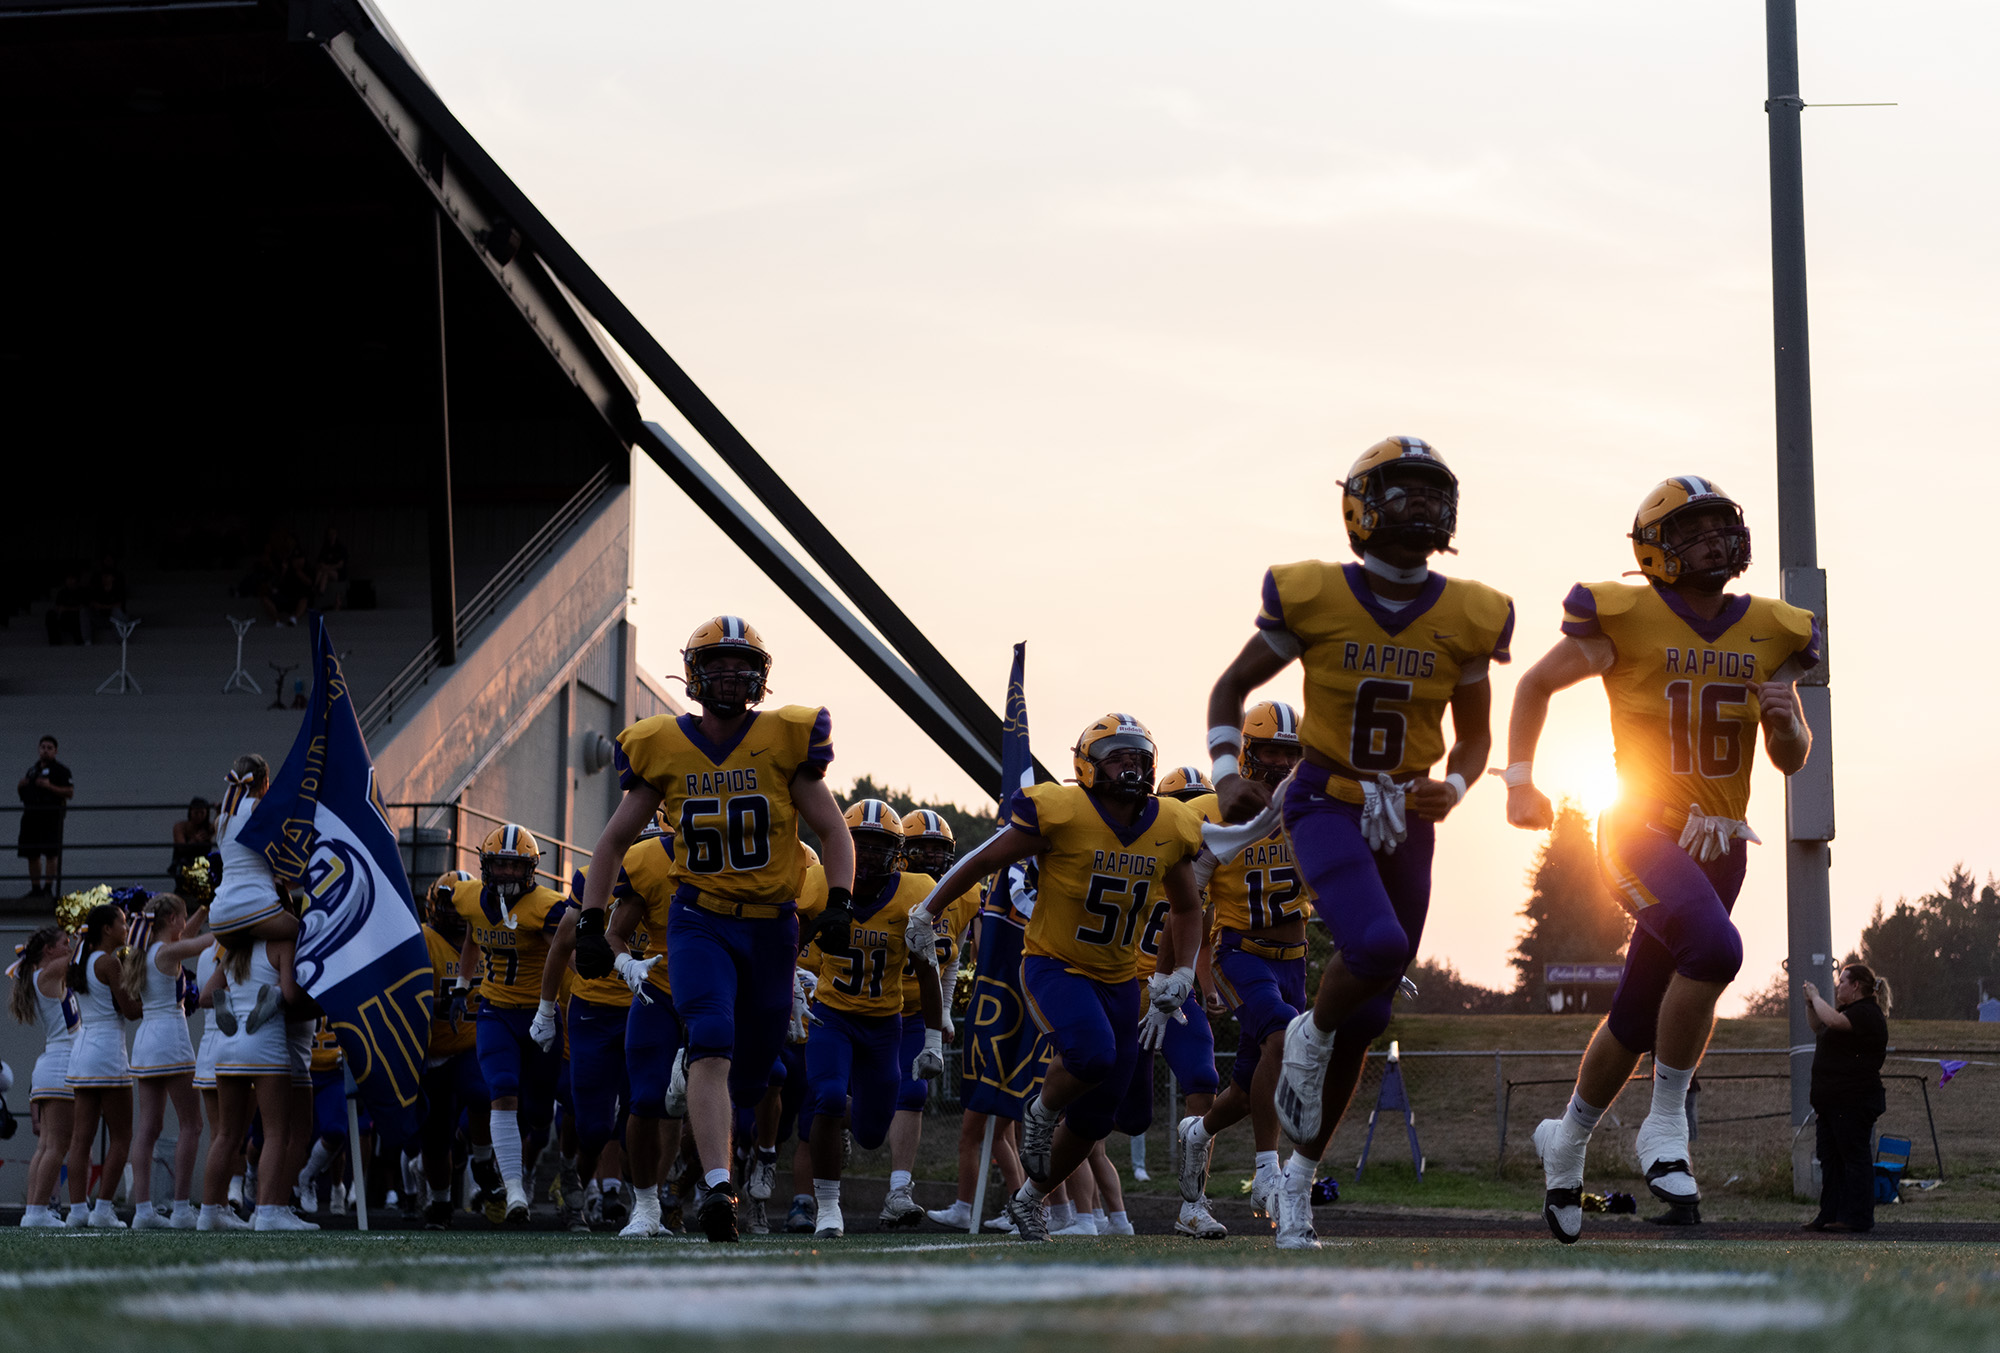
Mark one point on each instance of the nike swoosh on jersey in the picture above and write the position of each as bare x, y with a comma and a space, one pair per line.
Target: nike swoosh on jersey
759, 752
1159, 843
1442, 637
1762, 638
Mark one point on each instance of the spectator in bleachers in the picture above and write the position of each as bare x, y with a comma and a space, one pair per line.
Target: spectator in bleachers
103, 599
45, 793
289, 597
194, 839
65, 614
330, 569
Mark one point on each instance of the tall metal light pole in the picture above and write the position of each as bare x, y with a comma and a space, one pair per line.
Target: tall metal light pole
1808, 794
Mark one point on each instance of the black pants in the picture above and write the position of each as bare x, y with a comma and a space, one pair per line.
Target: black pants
1847, 1167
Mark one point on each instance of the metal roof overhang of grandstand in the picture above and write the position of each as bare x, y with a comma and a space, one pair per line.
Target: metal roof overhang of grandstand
555, 293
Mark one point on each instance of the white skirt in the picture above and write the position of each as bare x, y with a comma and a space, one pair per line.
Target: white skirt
97, 1057
205, 1055
50, 1078
162, 1046
246, 1054
245, 904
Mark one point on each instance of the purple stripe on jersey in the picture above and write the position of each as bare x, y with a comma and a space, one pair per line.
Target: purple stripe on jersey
1392, 622
1502, 647
1127, 835
691, 726
1579, 614
1733, 610
1808, 657
1272, 617
576, 882
1020, 812
628, 779
553, 921
819, 748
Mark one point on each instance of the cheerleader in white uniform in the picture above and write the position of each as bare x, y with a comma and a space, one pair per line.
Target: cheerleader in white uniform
248, 903
253, 1075
163, 1061
99, 1073
214, 998
42, 993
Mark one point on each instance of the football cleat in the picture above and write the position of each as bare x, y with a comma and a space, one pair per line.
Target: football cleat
799, 1221
1264, 1193
1030, 1220
1689, 530
1400, 492
958, 1216
515, 1209
437, 1213
830, 1224
336, 1200
1302, 1080
645, 1217
1197, 1221
1113, 733
611, 1207
763, 1175
1194, 1162
726, 693
900, 1209
507, 860
717, 1214
566, 1189
1295, 1218
1561, 1151
1663, 1155
760, 1217
1038, 1131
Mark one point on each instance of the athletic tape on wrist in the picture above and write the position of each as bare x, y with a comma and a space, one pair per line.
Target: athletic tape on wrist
1519, 773
1224, 766
1222, 735
1457, 783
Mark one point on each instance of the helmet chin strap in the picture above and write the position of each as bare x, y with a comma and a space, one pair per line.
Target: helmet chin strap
1390, 573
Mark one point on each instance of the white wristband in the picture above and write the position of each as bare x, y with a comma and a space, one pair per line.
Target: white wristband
1225, 766
1222, 735
1519, 773
1457, 783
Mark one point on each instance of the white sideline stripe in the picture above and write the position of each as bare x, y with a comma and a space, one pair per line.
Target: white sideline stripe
724, 1298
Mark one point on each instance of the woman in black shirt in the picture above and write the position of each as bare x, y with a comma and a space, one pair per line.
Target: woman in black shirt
1847, 1095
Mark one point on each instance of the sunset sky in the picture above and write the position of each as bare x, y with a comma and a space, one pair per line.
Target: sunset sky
1068, 319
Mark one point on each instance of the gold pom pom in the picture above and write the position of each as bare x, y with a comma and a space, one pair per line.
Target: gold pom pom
73, 908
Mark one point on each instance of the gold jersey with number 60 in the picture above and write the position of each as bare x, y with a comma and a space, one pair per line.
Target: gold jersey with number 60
1099, 883
1378, 680
735, 836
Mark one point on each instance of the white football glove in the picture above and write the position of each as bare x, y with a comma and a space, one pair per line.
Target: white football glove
634, 971
803, 986
920, 936
543, 1030
929, 1064
1153, 1027
1383, 823
1168, 992
947, 983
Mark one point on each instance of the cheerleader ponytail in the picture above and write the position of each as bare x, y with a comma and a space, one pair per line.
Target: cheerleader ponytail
248, 778
28, 958
132, 974
94, 922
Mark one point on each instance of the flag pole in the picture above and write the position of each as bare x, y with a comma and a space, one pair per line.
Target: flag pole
985, 1171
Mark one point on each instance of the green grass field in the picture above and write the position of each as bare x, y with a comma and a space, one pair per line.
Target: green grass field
492, 1292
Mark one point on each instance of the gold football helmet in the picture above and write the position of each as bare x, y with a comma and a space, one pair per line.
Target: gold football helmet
1112, 733
928, 843
877, 830
1401, 493
444, 917
1184, 783
1686, 523
507, 860
1271, 744
726, 694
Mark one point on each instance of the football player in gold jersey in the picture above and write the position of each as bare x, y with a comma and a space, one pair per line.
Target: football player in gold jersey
735, 783
1260, 964
1106, 843
510, 920
1692, 673
1387, 646
854, 1064
452, 1081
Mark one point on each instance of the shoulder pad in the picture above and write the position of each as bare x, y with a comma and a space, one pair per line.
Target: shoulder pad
807, 715
1301, 581
1205, 807
1794, 620
1616, 598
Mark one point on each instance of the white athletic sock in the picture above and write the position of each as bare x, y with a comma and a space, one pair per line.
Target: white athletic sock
1198, 1135
1323, 1038
1032, 1193
33, 1212
898, 1179
483, 1152
1581, 1116
1061, 1216
1115, 1218
715, 1177
507, 1142
1266, 1160
1300, 1169
317, 1161
1098, 1215
1670, 1094
211, 1210
103, 1206
826, 1192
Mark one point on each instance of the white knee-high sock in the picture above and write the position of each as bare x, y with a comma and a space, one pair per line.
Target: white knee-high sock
1670, 1093
507, 1142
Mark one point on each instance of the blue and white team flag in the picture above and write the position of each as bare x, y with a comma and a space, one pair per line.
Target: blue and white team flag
361, 952
1006, 1056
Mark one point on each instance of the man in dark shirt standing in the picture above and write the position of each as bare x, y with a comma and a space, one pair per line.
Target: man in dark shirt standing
45, 792
1847, 1095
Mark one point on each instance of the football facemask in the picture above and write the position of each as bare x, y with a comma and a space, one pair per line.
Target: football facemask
1401, 493
726, 689
1112, 733
1689, 531
877, 832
